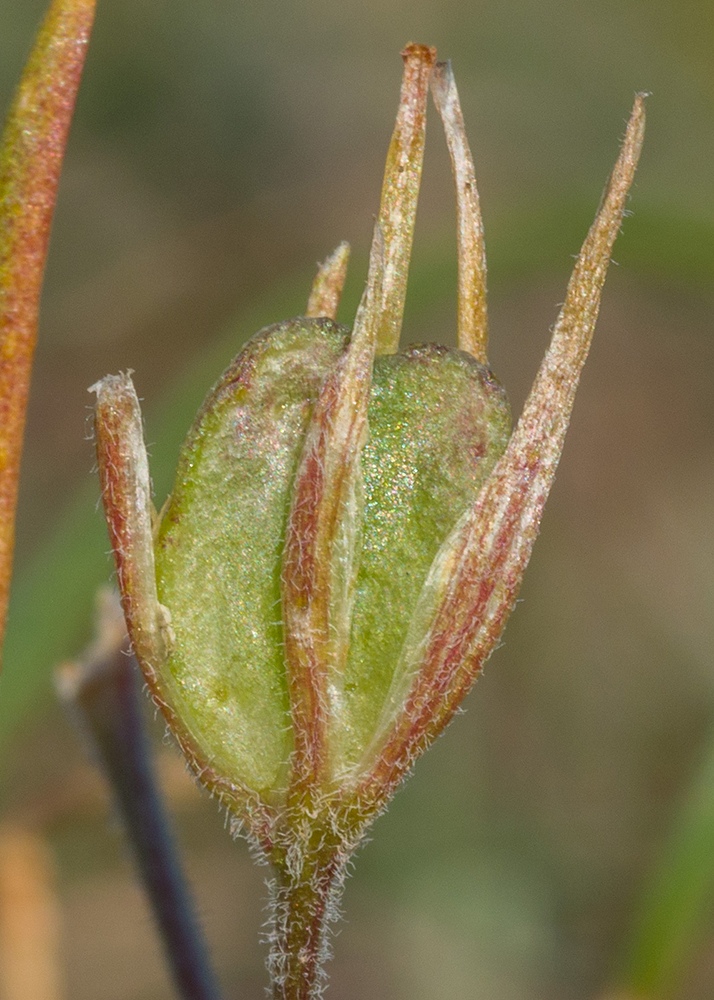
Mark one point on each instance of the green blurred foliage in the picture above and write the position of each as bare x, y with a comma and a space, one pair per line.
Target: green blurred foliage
219, 149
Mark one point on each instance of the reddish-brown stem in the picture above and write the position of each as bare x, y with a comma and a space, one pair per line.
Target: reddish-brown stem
33, 147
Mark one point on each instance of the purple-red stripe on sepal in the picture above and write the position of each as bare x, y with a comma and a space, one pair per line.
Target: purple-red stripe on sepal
323, 514
474, 581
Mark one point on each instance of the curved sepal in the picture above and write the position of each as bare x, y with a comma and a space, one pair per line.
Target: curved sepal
475, 578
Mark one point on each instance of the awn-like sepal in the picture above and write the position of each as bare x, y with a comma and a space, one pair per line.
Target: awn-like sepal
31, 155
130, 515
475, 578
126, 495
318, 557
472, 323
326, 290
400, 190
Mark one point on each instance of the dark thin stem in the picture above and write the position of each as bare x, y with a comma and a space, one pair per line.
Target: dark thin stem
103, 694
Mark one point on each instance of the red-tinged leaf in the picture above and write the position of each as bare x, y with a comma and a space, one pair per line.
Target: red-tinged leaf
33, 146
475, 579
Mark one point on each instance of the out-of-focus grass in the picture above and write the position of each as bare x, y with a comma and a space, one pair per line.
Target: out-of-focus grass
677, 898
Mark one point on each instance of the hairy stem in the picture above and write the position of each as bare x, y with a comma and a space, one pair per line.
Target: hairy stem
305, 898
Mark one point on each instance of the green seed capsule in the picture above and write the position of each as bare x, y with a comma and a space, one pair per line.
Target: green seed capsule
437, 421
346, 537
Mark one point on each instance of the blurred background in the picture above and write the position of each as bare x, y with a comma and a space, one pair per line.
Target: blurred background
219, 150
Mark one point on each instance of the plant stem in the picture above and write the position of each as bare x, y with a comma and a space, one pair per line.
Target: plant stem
306, 894
31, 154
103, 695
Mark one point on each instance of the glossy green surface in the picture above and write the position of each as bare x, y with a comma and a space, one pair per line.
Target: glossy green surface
438, 422
218, 555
